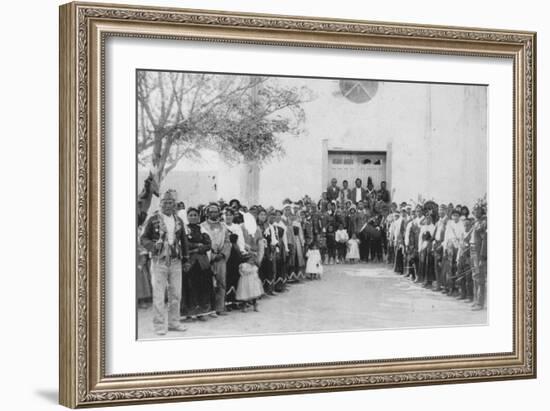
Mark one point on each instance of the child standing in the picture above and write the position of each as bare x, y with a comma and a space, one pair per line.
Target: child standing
314, 268
250, 287
341, 242
353, 249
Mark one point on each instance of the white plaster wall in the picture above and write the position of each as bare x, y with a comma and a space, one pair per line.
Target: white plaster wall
438, 135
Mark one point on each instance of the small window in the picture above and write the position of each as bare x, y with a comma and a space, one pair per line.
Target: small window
336, 161
348, 161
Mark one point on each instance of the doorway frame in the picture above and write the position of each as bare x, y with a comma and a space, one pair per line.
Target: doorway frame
325, 163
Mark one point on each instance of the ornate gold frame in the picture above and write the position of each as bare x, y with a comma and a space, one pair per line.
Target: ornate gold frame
83, 30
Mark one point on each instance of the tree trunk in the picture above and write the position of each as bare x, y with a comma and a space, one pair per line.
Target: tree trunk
250, 183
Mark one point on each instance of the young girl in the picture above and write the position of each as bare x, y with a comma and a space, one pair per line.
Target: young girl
314, 268
250, 287
353, 249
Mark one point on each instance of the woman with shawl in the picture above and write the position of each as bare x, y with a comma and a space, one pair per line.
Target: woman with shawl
236, 238
197, 282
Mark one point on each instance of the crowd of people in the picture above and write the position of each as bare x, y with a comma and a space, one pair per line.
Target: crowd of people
201, 262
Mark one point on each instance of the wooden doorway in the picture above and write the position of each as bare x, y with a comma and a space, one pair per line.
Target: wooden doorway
349, 165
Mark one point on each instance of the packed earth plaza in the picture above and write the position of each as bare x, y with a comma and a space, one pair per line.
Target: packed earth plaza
352, 260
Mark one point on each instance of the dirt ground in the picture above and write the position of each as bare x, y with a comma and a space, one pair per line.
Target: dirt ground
348, 297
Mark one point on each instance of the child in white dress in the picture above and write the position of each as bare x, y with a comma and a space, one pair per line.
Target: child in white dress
353, 249
314, 268
249, 288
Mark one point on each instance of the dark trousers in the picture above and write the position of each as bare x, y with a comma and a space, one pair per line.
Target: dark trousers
464, 278
426, 272
440, 267
451, 270
375, 249
267, 272
411, 267
399, 260
391, 254
341, 247
384, 241
323, 250
331, 251
364, 248
429, 276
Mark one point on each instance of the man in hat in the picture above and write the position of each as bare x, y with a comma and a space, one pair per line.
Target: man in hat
165, 238
333, 191
371, 193
220, 249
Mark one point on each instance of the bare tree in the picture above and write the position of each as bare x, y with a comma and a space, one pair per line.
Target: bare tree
182, 113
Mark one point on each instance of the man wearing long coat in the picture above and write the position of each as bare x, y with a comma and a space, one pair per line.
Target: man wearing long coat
220, 249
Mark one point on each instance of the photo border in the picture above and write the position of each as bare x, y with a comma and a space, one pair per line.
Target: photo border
84, 27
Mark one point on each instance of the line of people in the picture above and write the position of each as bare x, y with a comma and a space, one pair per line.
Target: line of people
443, 248
202, 262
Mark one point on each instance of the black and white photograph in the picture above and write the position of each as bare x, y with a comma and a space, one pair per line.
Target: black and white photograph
282, 205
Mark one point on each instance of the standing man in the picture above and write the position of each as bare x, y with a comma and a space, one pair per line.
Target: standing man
358, 193
164, 236
398, 235
384, 193
361, 220
333, 191
371, 194
478, 256
411, 245
388, 227
464, 272
345, 192
220, 249
453, 237
323, 203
